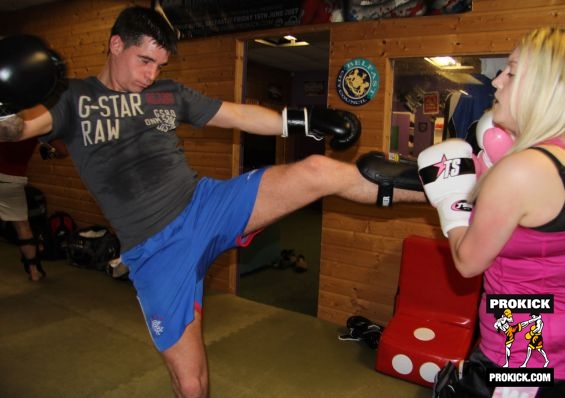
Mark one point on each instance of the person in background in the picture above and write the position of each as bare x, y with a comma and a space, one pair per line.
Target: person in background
14, 160
515, 233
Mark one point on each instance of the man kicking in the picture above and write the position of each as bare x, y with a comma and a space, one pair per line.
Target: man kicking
120, 129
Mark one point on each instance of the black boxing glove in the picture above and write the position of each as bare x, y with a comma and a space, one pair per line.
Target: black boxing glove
388, 174
319, 122
47, 151
54, 149
29, 72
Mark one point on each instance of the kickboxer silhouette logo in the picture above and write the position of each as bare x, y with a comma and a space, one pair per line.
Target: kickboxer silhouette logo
504, 324
535, 339
512, 329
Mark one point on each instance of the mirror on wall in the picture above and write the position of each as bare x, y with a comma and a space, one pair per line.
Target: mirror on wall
435, 98
282, 268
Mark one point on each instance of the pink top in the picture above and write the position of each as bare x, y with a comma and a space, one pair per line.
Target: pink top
531, 262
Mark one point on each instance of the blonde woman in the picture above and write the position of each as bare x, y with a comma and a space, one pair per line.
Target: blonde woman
515, 233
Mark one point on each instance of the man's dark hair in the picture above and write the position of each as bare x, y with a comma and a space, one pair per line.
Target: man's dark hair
135, 22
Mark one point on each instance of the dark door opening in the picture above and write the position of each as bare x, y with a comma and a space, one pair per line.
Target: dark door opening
281, 266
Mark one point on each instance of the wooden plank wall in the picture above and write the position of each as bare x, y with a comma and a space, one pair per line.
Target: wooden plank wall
361, 247
360, 244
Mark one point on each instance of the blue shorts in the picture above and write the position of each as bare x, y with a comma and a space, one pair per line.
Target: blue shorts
168, 269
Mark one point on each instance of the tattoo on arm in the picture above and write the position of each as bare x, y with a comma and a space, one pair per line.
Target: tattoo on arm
11, 128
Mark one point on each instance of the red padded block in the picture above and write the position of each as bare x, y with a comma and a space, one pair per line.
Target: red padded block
435, 313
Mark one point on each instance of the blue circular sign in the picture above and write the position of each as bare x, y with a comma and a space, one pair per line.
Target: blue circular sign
357, 81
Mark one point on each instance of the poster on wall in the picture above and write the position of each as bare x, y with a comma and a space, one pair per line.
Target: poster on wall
431, 103
203, 18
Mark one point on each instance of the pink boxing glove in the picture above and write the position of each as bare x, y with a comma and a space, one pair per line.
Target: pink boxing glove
493, 141
497, 143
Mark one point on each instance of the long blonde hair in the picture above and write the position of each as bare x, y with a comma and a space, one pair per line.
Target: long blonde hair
537, 100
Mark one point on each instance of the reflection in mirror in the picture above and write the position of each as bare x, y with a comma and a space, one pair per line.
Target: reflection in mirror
436, 98
283, 71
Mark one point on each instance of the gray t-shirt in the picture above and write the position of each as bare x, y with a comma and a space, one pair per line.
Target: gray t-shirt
126, 151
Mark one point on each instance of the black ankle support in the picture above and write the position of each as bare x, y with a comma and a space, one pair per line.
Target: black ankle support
36, 261
25, 242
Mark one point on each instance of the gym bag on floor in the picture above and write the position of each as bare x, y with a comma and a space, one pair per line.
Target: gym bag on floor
93, 247
60, 228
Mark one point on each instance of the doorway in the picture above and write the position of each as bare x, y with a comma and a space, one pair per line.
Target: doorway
281, 267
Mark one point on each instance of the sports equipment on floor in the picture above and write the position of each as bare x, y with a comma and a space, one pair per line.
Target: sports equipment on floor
319, 122
435, 314
389, 172
447, 171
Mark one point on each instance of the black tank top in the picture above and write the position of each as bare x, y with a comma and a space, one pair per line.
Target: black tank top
558, 223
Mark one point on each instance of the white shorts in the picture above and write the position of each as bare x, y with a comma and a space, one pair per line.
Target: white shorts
13, 202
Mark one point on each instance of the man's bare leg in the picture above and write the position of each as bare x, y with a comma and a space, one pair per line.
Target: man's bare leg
187, 362
28, 250
286, 188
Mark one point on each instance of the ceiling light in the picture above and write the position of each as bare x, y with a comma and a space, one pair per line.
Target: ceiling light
441, 62
460, 78
285, 41
447, 63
